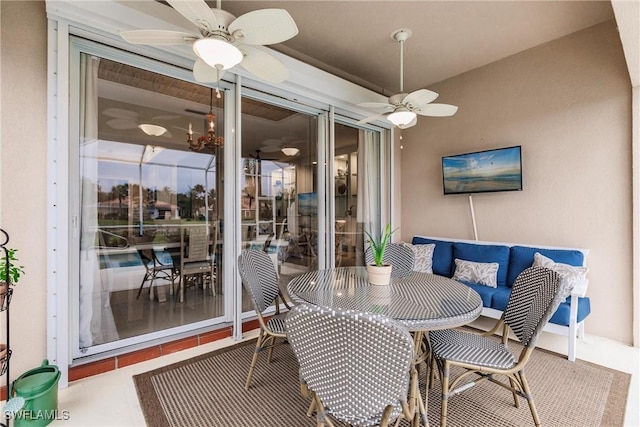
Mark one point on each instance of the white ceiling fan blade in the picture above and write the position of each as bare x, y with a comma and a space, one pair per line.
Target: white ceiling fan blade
121, 124
410, 124
274, 142
436, 110
167, 134
196, 11
419, 98
269, 149
264, 26
376, 106
158, 37
370, 118
164, 117
204, 73
121, 113
263, 65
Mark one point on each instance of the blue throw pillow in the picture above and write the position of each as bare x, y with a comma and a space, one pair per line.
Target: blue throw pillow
485, 253
522, 258
442, 255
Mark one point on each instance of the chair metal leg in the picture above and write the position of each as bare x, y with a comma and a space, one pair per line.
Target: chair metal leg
384, 421
529, 396
444, 380
254, 359
514, 386
146, 277
272, 342
312, 406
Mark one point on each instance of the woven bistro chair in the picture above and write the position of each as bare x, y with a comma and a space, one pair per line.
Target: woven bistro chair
357, 365
154, 270
261, 283
399, 256
535, 297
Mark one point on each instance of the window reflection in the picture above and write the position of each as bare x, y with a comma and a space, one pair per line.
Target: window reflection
279, 210
140, 188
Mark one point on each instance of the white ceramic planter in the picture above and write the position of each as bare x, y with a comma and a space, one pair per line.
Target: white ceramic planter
379, 275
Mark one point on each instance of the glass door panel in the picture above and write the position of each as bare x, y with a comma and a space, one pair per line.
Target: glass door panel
357, 191
141, 189
279, 205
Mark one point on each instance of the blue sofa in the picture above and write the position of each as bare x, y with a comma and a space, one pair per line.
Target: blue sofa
568, 320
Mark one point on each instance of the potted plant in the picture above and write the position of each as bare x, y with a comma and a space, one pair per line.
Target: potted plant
379, 272
10, 272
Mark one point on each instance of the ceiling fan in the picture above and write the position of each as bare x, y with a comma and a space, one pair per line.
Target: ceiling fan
224, 41
122, 119
402, 108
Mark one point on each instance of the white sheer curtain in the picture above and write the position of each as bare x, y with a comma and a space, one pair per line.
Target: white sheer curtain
369, 204
91, 298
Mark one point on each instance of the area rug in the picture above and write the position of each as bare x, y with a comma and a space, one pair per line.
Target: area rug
208, 390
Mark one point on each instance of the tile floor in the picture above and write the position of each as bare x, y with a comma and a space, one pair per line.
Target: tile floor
110, 399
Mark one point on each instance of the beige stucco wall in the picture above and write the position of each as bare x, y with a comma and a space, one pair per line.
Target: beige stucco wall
568, 103
23, 149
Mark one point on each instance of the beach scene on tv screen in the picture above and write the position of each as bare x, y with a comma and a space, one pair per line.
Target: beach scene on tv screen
496, 170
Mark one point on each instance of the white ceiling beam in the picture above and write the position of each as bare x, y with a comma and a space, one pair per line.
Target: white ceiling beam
627, 15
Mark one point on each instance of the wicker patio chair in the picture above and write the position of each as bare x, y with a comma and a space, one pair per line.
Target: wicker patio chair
399, 256
357, 365
535, 296
196, 263
261, 283
155, 270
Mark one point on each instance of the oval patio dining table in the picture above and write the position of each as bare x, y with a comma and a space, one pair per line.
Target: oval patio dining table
419, 301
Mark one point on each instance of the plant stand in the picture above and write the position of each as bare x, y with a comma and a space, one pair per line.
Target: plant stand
5, 298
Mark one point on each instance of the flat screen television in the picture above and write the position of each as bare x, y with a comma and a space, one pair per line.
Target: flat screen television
483, 171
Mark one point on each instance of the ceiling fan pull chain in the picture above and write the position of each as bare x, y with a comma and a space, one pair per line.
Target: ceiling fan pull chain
401, 65
218, 83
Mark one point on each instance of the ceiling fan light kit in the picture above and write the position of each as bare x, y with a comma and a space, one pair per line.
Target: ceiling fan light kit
401, 117
290, 151
217, 53
224, 41
402, 109
152, 130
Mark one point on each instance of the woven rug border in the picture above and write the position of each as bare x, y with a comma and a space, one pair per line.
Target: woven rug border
151, 408
154, 412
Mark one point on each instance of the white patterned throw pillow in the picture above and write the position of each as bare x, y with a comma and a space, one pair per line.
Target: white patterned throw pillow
422, 257
481, 273
570, 275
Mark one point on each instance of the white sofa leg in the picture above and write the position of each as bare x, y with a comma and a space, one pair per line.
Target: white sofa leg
581, 331
573, 328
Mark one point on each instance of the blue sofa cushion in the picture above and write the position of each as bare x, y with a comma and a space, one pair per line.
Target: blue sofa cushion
486, 293
485, 253
442, 255
522, 258
500, 298
561, 316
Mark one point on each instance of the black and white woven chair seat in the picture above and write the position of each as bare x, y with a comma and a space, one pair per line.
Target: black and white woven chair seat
470, 348
356, 364
400, 257
277, 323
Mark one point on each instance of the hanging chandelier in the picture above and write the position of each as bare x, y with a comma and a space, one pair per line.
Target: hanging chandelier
209, 141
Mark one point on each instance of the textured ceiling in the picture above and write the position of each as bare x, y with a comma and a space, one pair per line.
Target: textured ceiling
353, 38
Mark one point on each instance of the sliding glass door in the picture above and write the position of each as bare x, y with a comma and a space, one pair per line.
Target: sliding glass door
144, 187
279, 200
153, 177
